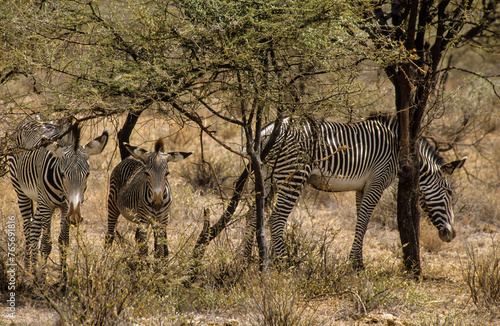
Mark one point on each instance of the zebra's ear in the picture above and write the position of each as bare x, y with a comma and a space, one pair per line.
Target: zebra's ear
56, 149
97, 145
177, 156
449, 168
137, 152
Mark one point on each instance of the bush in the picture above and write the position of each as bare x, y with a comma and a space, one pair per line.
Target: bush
116, 286
276, 301
482, 276
214, 174
104, 286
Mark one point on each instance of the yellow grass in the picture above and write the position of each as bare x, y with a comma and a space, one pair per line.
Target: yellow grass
319, 290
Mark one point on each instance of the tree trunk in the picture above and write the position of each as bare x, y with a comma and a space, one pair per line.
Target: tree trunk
124, 133
408, 215
259, 212
254, 148
209, 233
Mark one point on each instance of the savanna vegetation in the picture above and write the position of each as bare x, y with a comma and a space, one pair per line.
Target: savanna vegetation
206, 76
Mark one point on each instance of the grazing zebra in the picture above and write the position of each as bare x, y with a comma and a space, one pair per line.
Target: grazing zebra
139, 190
361, 157
54, 176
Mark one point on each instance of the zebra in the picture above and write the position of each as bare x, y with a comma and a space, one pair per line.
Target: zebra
361, 157
139, 190
54, 176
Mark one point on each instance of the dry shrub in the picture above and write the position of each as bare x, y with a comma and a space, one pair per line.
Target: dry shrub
103, 287
312, 256
215, 173
116, 286
482, 276
275, 300
204, 176
429, 237
317, 270
478, 207
385, 213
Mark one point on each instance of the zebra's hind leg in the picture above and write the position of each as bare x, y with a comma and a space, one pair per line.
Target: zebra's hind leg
46, 249
113, 214
161, 247
141, 239
26, 207
365, 203
251, 221
39, 225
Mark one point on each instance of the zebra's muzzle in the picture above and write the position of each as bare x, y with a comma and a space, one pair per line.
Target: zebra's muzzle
447, 234
157, 201
74, 216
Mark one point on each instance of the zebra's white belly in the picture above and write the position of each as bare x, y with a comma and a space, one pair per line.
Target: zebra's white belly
337, 183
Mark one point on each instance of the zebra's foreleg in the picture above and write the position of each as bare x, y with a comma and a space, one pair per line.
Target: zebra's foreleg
287, 198
113, 215
141, 239
161, 247
64, 247
26, 207
249, 238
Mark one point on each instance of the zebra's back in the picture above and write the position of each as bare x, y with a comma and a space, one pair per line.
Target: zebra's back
335, 156
351, 155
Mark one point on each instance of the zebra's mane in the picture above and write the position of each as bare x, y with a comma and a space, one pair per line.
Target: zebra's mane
159, 145
73, 136
427, 148
386, 119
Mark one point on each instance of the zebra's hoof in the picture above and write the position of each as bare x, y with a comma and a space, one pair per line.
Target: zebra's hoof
357, 265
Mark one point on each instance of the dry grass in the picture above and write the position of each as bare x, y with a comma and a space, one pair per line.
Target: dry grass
482, 275
459, 284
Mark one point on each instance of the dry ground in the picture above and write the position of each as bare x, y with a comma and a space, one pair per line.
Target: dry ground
319, 290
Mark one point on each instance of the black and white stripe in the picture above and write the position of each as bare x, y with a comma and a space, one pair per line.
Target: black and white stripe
361, 157
54, 176
139, 190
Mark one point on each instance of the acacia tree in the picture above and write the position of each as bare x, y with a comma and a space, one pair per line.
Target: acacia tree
239, 62
421, 33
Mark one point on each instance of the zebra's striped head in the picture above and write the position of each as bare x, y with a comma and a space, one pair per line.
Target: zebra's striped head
436, 193
155, 173
74, 168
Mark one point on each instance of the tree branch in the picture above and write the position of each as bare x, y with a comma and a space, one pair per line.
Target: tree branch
486, 78
193, 116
